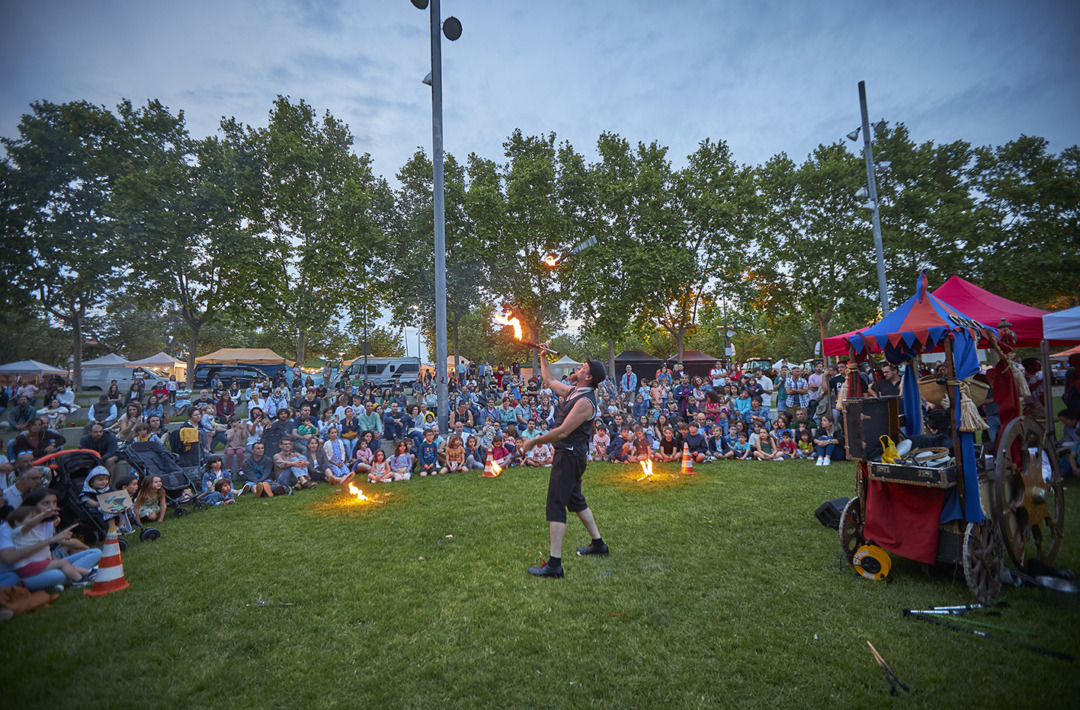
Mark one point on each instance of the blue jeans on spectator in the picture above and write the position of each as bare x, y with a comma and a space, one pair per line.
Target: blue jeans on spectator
289, 476
53, 577
393, 431
218, 437
833, 451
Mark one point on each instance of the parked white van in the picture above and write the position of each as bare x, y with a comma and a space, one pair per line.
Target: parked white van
99, 378
381, 371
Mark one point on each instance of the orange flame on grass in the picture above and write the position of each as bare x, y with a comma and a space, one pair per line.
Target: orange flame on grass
514, 322
646, 467
495, 467
353, 490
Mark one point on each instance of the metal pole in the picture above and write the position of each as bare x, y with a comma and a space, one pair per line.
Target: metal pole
440, 235
871, 180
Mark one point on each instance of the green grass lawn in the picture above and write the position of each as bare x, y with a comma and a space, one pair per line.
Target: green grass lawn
722, 590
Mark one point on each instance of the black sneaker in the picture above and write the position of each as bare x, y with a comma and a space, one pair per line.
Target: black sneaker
546, 570
601, 549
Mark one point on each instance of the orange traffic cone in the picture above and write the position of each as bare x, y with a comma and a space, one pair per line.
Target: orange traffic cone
687, 462
110, 575
490, 470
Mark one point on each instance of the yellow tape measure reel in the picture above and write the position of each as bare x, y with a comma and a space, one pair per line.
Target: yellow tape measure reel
872, 562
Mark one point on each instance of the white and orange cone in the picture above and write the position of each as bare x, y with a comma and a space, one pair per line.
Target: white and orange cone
687, 462
489, 468
110, 575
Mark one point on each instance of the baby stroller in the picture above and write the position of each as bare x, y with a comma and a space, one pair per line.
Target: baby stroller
70, 469
150, 458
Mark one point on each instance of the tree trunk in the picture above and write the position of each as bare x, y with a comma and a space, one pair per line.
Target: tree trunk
76, 348
193, 350
678, 343
301, 347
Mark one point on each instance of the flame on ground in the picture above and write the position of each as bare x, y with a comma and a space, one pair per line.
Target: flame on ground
646, 467
495, 467
507, 320
353, 490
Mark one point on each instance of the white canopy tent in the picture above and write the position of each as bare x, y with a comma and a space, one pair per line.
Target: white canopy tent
1062, 325
30, 367
162, 362
564, 366
110, 360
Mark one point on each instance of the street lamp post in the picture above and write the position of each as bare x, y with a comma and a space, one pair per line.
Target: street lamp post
871, 181
416, 310
452, 28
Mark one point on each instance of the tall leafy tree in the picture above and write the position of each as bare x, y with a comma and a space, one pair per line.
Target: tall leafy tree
318, 211
61, 251
183, 207
813, 255
1032, 250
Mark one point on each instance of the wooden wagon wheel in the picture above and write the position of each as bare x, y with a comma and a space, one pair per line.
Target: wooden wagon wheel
983, 559
1029, 510
851, 529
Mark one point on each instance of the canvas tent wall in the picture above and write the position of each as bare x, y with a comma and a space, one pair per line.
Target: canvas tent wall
243, 356
643, 364
163, 363
1062, 327
695, 362
564, 366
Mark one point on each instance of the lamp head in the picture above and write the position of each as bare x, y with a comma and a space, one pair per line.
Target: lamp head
854, 135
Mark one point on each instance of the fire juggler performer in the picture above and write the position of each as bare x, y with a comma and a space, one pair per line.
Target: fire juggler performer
570, 435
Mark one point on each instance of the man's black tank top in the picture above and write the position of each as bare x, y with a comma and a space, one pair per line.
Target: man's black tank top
576, 441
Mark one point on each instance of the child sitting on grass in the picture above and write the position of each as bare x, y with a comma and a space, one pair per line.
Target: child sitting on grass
741, 447
429, 455
455, 456
600, 442
499, 453
221, 494
380, 469
150, 505
641, 450
805, 445
29, 527
668, 449
539, 456
474, 455
213, 472
401, 462
786, 447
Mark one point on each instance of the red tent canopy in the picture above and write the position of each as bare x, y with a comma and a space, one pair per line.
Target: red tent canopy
989, 308
978, 303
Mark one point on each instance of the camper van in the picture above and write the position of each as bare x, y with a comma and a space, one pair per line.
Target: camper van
381, 371
95, 379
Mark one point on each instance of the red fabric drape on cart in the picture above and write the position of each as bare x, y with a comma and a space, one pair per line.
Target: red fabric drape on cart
903, 519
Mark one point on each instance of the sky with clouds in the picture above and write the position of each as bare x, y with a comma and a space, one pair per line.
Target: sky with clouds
767, 77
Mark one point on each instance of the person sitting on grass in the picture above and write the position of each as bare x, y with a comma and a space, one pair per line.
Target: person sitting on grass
741, 447
718, 445
401, 462
668, 449
151, 504
600, 442
221, 494
428, 455
786, 447
765, 446
804, 447
474, 454
30, 527
455, 455
380, 469
829, 442
363, 458
540, 456
256, 469
641, 449
624, 452
337, 458
695, 442
291, 468
500, 455
511, 444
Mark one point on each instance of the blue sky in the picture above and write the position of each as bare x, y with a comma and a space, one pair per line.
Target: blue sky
765, 76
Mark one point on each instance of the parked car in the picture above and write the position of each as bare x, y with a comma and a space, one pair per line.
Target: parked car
98, 379
244, 374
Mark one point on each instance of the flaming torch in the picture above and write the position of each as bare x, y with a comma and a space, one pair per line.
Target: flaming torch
552, 260
515, 323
